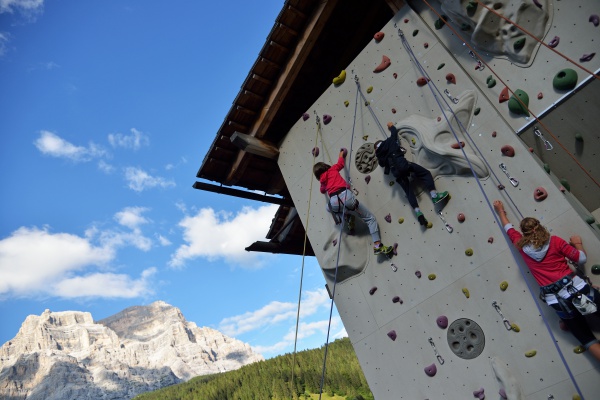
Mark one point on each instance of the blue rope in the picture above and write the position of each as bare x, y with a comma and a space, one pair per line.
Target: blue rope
519, 259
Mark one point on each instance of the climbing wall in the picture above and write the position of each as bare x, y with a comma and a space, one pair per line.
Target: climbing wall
454, 314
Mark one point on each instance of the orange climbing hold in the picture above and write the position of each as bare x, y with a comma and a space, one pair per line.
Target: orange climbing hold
378, 36
540, 194
385, 62
504, 96
422, 81
451, 78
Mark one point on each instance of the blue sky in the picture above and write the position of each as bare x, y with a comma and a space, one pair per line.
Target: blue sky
108, 108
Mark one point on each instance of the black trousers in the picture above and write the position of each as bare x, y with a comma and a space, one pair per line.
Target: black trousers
421, 174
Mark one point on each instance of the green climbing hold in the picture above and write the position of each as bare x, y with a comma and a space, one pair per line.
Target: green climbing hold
519, 107
477, 111
441, 66
565, 79
466, 292
491, 83
346, 103
596, 269
566, 185
519, 44
439, 23
547, 168
400, 220
590, 220
391, 183
465, 27
415, 32
429, 225
471, 8
578, 137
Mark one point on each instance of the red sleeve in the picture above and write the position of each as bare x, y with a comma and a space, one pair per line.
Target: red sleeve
566, 249
323, 187
514, 235
340, 164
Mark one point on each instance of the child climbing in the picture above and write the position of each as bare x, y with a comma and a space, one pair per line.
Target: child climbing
341, 197
563, 290
390, 156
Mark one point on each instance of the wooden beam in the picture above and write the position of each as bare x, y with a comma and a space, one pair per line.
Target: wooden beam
243, 194
287, 28
252, 145
261, 79
395, 5
245, 110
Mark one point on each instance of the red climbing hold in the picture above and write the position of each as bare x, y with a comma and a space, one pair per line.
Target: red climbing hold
540, 95
508, 151
503, 95
385, 62
373, 290
378, 36
392, 335
451, 78
458, 145
531, 149
405, 20
494, 134
422, 81
327, 118
461, 217
426, 45
540, 194
395, 75
439, 119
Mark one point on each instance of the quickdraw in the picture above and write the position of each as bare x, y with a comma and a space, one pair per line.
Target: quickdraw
437, 355
506, 322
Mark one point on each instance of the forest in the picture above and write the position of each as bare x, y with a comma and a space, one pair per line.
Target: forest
272, 379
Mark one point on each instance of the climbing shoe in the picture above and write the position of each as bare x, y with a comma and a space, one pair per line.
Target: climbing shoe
350, 224
383, 250
421, 219
439, 197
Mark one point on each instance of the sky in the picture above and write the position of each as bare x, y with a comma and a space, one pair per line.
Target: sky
107, 109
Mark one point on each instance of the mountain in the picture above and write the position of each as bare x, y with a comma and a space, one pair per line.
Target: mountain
66, 355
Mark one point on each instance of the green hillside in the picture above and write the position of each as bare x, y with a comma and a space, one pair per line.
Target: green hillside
271, 379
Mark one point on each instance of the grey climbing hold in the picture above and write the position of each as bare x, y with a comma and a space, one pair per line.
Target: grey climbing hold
466, 338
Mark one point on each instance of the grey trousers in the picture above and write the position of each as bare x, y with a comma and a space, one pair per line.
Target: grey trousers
354, 207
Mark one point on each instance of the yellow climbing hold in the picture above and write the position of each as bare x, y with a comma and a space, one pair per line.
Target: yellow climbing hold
576, 397
400, 220
369, 89
367, 103
530, 353
503, 285
466, 292
431, 277
429, 225
338, 80
469, 252
346, 103
515, 327
365, 137
391, 183
413, 141
578, 349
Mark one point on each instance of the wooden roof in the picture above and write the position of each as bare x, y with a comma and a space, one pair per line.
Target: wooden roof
309, 44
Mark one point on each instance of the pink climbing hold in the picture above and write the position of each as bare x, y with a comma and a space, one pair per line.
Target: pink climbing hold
494, 134
587, 57
458, 145
540, 95
327, 118
397, 299
395, 75
368, 179
540, 194
442, 321
594, 19
372, 290
378, 36
385, 62
426, 45
530, 149
431, 370
344, 150
305, 116
461, 217
422, 81
395, 249
405, 20
392, 335
554, 42
388, 218
334, 242
439, 119
500, 187
418, 274
451, 78
507, 150
315, 152
480, 394
503, 95
490, 239
393, 111
502, 393
562, 189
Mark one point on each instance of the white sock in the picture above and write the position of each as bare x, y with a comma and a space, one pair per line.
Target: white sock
433, 193
417, 210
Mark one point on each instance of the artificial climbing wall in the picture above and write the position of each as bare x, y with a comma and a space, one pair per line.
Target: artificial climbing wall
433, 322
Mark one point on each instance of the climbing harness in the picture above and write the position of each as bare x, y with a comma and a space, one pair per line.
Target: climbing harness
435, 352
506, 322
547, 143
512, 179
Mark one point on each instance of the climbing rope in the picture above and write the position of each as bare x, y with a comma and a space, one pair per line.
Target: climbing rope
472, 49
516, 256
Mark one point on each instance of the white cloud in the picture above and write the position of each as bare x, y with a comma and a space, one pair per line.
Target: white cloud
134, 141
4, 39
220, 235
107, 285
28, 8
132, 217
53, 145
139, 180
105, 167
164, 241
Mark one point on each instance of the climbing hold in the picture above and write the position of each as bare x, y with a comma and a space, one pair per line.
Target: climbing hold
554, 42
385, 62
576, 397
395, 249
471, 8
494, 134
439, 119
480, 394
413, 141
422, 81
451, 78
461, 217
587, 57
507, 150
397, 299
491, 83
415, 32
594, 19
368, 179
540, 95
578, 349
565, 79
441, 66
442, 321
338, 80
590, 220
346, 103
429, 225
477, 111
503, 95
334, 242
519, 44
378, 36
388, 218
365, 137
457, 145
519, 104
503, 285
490, 239
537, 3
562, 189
372, 290
367, 103
406, 20
392, 335
440, 22
369, 89
547, 167
391, 183
500, 187
466, 292
344, 151
530, 353
565, 183
596, 269
530, 149
400, 220
469, 252
540, 194
418, 274
431, 277
315, 151
431, 370
515, 327
578, 137
393, 111
502, 393
465, 27
305, 116
426, 45
395, 75
327, 118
